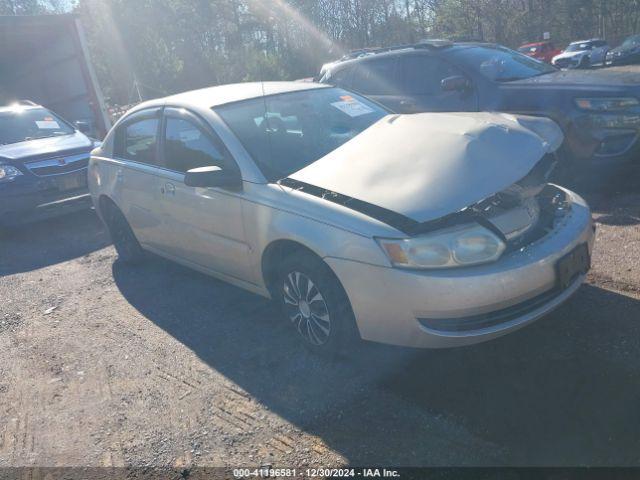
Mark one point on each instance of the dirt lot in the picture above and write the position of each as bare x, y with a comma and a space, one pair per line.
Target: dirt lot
104, 364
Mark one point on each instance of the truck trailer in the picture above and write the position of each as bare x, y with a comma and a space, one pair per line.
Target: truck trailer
44, 59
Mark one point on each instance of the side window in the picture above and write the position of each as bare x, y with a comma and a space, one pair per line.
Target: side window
340, 78
187, 147
423, 74
138, 141
376, 77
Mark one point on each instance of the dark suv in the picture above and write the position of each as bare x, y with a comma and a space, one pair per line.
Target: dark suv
43, 164
599, 110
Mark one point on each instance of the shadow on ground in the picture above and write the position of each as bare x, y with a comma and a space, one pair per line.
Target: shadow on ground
37, 245
563, 391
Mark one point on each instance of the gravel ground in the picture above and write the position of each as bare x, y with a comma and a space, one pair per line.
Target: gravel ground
102, 364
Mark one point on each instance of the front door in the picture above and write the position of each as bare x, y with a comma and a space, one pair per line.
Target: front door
377, 78
204, 225
421, 85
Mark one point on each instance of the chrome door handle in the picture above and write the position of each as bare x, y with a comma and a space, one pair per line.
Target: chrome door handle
169, 189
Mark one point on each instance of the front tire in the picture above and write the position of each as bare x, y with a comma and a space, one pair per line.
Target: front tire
585, 62
315, 304
122, 236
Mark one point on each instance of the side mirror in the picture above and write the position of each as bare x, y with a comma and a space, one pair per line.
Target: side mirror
83, 126
212, 177
457, 83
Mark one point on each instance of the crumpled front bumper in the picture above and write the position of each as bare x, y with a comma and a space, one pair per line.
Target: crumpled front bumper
391, 304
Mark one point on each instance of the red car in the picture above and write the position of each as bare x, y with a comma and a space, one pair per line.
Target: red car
543, 51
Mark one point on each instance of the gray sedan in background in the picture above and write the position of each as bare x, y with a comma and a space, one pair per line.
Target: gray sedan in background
422, 230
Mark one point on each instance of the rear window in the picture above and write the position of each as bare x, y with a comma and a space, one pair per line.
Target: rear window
24, 124
339, 78
376, 77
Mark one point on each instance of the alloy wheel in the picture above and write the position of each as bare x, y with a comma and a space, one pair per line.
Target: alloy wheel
306, 308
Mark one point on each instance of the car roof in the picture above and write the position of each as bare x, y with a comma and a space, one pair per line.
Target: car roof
406, 50
222, 94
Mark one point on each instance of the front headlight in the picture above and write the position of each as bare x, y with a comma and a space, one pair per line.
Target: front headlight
606, 104
454, 247
8, 173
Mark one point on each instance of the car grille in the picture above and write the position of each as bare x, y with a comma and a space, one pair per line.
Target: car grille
58, 165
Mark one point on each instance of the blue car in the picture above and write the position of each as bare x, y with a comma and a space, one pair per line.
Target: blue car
43, 164
626, 54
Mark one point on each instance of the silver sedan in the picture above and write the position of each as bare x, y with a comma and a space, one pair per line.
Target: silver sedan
423, 230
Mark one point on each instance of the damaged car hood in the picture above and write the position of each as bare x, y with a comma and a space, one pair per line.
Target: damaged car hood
428, 165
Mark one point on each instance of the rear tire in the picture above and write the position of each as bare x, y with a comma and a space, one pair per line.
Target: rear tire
122, 236
315, 304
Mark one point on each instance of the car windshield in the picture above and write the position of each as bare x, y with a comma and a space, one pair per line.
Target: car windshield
284, 133
528, 49
501, 64
632, 41
578, 47
22, 124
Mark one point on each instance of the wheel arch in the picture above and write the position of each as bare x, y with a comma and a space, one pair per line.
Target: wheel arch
277, 251
103, 204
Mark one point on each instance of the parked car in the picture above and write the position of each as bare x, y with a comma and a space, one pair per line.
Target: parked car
625, 54
357, 221
543, 51
598, 110
43, 164
582, 54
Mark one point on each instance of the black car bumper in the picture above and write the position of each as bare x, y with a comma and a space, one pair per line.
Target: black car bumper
29, 198
622, 60
614, 135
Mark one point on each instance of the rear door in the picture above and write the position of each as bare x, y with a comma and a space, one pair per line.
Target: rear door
377, 78
422, 77
136, 183
204, 226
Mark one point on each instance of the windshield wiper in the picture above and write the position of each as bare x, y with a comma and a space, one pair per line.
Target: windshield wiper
59, 134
